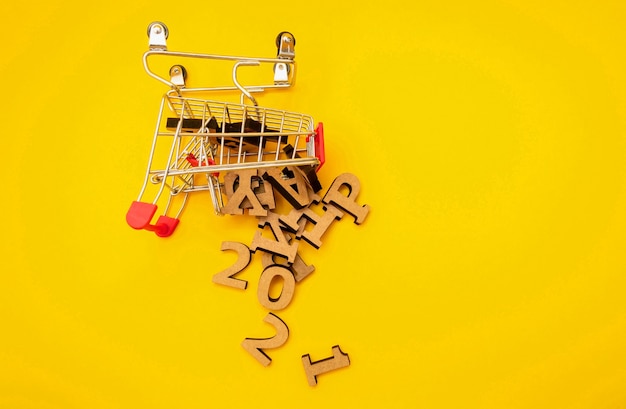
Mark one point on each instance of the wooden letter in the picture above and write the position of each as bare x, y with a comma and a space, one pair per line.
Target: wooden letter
294, 189
280, 246
289, 286
243, 259
264, 192
255, 345
347, 203
294, 221
299, 268
321, 223
243, 195
313, 369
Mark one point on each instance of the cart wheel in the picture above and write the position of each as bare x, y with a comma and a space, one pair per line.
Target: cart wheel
280, 36
282, 66
158, 23
174, 68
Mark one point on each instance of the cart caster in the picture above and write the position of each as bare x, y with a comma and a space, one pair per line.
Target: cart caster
287, 37
178, 70
178, 75
140, 214
285, 42
158, 33
158, 26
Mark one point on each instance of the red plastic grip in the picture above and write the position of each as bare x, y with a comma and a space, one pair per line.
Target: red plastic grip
193, 161
140, 214
165, 226
191, 158
319, 145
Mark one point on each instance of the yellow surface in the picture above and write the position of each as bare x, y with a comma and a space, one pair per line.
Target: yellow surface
489, 138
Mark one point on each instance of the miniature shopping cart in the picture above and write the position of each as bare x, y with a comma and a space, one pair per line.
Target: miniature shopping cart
197, 141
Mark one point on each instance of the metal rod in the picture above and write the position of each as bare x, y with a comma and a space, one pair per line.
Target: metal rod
240, 166
212, 57
154, 142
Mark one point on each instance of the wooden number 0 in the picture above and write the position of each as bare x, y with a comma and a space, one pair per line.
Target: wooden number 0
255, 345
243, 259
289, 285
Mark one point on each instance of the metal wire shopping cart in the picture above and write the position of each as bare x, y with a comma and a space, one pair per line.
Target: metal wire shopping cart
209, 138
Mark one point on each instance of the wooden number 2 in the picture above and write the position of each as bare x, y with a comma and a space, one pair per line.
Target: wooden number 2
255, 345
243, 259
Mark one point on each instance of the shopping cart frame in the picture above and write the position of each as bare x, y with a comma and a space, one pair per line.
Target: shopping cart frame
295, 143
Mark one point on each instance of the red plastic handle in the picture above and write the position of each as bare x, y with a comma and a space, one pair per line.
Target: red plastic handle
319, 145
140, 214
165, 226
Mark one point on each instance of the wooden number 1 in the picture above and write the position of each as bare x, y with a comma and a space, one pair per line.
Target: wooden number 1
313, 369
255, 345
243, 259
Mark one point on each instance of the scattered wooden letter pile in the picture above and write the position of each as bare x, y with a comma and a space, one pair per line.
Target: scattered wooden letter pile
253, 190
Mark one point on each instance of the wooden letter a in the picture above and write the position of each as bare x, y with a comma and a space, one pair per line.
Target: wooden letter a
237, 198
294, 189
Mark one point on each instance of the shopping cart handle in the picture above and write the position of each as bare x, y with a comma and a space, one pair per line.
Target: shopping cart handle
165, 226
319, 145
140, 214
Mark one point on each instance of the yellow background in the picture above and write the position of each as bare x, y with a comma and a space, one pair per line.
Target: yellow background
489, 139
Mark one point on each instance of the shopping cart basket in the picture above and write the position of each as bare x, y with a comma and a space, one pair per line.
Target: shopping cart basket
196, 136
